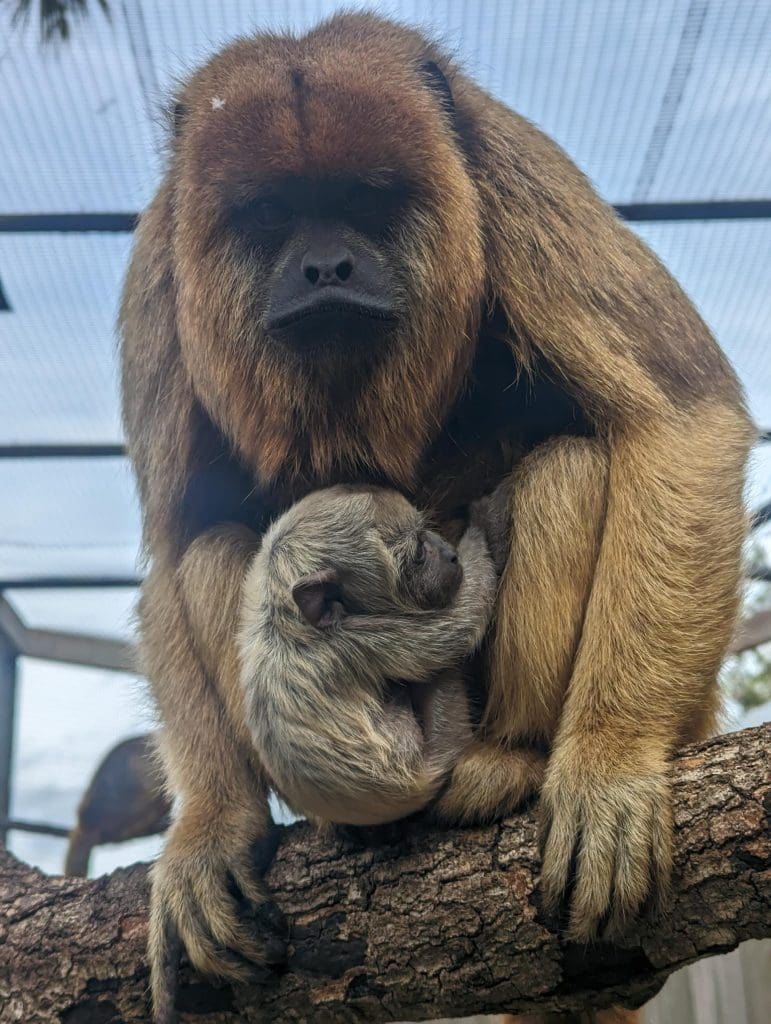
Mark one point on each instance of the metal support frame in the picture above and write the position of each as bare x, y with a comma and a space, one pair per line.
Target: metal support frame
8, 685
67, 648
19, 640
111, 222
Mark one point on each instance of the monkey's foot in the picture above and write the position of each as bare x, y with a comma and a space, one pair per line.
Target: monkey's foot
207, 897
606, 836
490, 782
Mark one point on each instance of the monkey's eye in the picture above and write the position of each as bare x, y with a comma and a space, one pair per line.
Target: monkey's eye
365, 201
270, 214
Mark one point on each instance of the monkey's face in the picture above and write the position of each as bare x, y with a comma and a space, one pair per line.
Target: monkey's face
333, 266
328, 254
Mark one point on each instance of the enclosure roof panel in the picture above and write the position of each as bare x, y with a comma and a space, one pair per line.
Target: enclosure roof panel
662, 100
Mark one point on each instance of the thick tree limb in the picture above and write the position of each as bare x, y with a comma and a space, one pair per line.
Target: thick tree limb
423, 924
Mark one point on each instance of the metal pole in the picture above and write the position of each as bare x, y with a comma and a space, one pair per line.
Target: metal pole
8, 678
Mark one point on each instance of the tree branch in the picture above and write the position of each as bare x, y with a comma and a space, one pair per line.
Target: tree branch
421, 924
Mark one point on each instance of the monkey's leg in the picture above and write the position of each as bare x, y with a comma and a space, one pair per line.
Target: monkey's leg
557, 497
223, 834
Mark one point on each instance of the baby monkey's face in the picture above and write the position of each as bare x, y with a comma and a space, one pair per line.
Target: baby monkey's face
426, 566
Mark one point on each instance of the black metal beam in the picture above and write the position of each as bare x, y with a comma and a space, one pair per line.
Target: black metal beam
8, 685
730, 209
96, 451
61, 451
78, 223
25, 223
70, 582
38, 827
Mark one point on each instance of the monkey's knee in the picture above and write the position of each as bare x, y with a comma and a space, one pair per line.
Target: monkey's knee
489, 782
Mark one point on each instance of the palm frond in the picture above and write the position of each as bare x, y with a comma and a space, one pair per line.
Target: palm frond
55, 16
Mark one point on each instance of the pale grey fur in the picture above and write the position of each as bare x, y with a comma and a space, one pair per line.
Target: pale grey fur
336, 738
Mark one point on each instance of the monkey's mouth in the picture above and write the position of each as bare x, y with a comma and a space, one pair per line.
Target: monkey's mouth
330, 312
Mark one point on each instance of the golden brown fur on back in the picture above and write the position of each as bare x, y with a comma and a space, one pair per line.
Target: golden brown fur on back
504, 241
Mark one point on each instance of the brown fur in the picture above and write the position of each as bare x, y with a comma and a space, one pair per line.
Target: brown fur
124, 800
621, 588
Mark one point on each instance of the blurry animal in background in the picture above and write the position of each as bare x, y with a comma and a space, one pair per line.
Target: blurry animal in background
362, 268
124, 800
356, 618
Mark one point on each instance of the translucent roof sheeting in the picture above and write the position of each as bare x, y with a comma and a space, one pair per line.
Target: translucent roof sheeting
657, 100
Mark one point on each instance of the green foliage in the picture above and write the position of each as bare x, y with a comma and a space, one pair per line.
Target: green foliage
747, 677
55, 16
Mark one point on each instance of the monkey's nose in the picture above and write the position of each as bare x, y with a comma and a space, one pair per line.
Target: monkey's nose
329, 268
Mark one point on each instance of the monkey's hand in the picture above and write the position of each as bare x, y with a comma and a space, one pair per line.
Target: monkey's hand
492, 514
606, 834
208, 897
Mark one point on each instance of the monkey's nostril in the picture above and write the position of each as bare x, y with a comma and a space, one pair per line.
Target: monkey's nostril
312, 274
344, 269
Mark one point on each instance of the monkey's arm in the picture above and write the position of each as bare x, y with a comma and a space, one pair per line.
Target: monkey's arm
414, 647
223, 829
223, 835
582, 290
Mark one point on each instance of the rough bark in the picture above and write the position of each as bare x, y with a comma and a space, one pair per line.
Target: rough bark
412, 925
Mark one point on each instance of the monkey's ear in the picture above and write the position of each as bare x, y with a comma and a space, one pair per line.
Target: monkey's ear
318, 598
435, 79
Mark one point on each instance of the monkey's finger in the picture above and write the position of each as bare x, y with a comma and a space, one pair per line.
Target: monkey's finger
264, 913
632, 880
594, 873
230, 933
558, 856
165, 952
236, 937
206, 955
246, 886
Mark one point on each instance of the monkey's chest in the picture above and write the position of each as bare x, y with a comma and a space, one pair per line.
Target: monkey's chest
500, 417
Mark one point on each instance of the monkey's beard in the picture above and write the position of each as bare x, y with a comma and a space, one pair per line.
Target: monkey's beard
364, 413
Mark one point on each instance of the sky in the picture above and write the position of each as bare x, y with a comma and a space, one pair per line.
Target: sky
654, 99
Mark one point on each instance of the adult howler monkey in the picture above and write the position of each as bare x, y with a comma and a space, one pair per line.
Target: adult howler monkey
360, 267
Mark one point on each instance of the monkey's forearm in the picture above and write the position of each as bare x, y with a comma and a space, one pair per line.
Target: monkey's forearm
657, 623
666, 585
205, 758
210, 577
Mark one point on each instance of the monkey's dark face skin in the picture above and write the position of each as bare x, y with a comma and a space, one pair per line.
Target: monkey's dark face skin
433, 573
334, 271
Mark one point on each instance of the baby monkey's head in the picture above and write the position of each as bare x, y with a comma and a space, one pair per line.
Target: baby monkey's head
365, 551
356, 618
